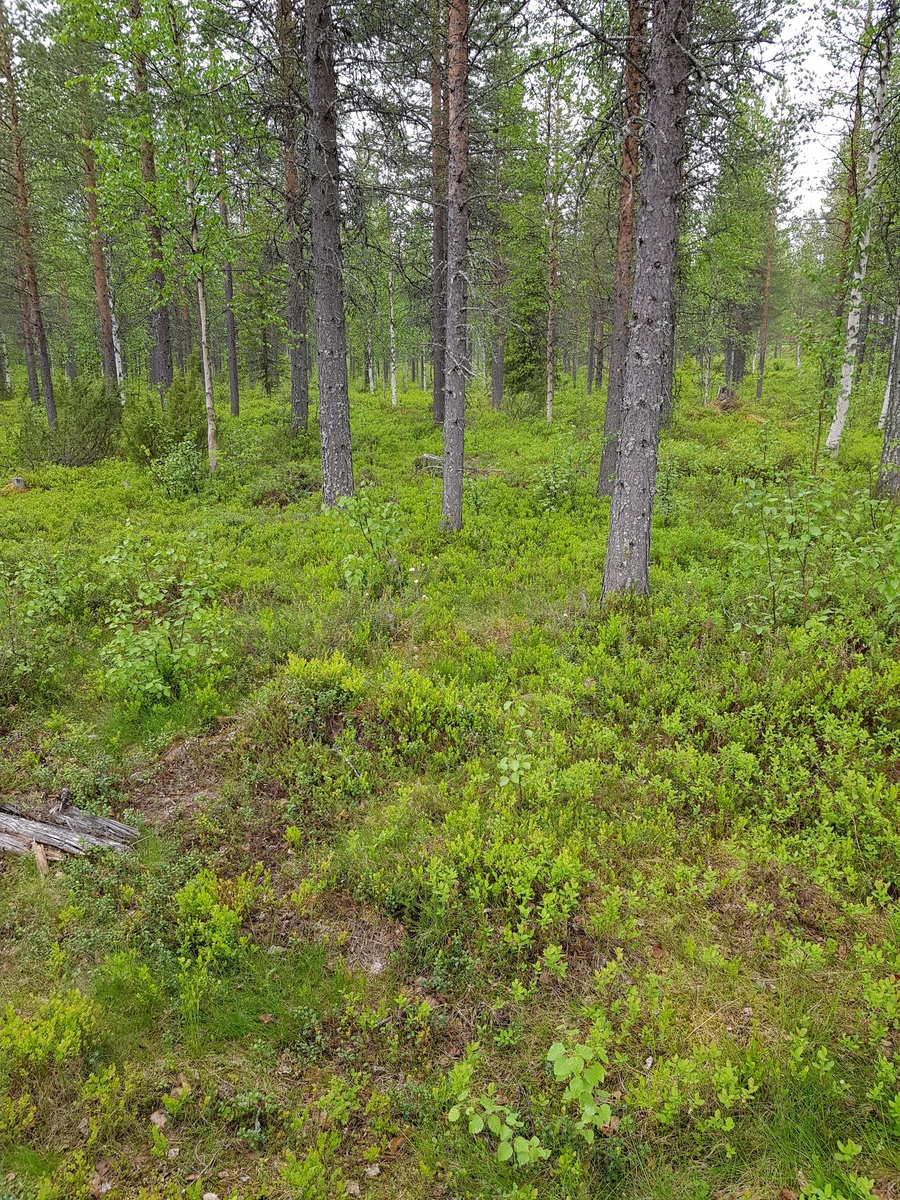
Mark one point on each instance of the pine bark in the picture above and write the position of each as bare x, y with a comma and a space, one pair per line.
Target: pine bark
39, 336
649, 365
457, 248
848, 366
328, 273
618, 350
161, 350
439, 217
98, 262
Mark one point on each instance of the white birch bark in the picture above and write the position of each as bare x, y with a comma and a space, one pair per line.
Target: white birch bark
892, 366
117, 342
848, 366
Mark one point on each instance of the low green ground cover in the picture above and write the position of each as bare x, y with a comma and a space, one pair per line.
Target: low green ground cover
453, 883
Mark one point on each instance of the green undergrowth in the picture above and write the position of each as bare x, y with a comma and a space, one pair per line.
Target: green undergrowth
453, 882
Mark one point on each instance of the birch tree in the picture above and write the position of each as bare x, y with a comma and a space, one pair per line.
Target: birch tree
848, 366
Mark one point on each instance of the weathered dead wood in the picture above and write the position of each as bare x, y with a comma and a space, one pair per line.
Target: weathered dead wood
14, 844
40, 857
66, 829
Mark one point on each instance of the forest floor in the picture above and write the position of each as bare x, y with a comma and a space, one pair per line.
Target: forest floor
451, 882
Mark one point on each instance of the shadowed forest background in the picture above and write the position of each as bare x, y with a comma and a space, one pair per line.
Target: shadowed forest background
449, 597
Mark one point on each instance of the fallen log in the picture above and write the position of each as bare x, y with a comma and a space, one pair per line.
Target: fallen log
65, 829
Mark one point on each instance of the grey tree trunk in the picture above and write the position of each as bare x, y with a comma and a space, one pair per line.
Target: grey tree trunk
457, 238
892, 368
328, 267
498, 313
592, 333
439, 218
34, 390
298, 349
618, 347
392, 334
889, 467
649, 365
161, 351
230, 325
4, 364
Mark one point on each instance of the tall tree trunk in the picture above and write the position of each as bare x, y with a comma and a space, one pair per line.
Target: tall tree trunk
592, 333
601, 351
862, 341
65, 317
228, 280
4, 365
187, 329
552, 266
618, 349
833, 441
34, 390
551, 200
729, 360
851, 181
392, 334
739, 353
575, 355
457, 247
21, 188
298, 349
652, 310
98, 262
161, 350
889, 467
438, 217
498, 331
767, 286
117, 341
328, 271
203, 315
498, 314
892, 367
